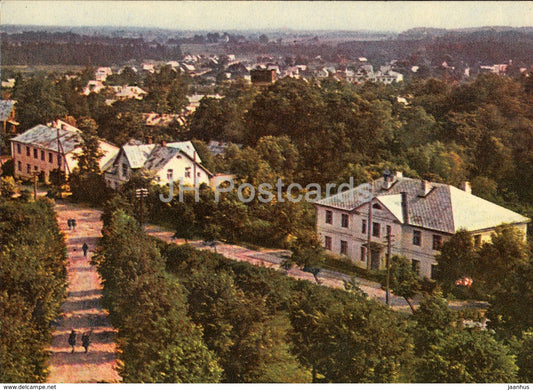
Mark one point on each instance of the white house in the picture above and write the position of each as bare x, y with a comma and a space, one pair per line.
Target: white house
176, 160
102, 73
418, 214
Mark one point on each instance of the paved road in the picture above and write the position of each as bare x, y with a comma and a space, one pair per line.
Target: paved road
272, 258
82, 310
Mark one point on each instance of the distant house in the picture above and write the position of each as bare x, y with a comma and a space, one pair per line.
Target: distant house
155, 120
102, 73
263, 76
7, 116
218, 147
43, 148
10, 83
129, 92
176, 160
418, 214
93, 86
194, 101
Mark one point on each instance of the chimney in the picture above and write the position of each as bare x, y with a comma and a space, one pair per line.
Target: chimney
405, 207
424, 188
466, 187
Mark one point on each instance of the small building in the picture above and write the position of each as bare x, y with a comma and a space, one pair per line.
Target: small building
176, 160
102, 73
93, 86
263, 76
7, 116
419, 215
42, 149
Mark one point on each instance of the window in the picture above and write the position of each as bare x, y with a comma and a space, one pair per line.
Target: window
389, 230
477, 240
363, 254
170, 174
437, 242
327, 242
20, 166
198, 174
18, 149
35, 169
344, 247
28, 168
124, 170
28, 151
434, 271
50, 158
329, 217
35, 153
344, 220
376, 228
377, 206
42, 155
415, 265
417, 237
188, 172
363, 227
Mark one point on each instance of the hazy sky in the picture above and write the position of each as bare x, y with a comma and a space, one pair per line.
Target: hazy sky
192, 15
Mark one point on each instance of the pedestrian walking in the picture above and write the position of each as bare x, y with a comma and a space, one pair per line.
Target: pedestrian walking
72, 340
85, 248
69, 223
86, 340
73, 225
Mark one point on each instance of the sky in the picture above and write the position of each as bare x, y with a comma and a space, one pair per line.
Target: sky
257, 15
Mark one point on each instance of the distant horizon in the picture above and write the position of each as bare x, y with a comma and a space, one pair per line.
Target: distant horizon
379, 16
255, 30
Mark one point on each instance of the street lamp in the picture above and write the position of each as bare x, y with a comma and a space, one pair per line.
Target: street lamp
141, 193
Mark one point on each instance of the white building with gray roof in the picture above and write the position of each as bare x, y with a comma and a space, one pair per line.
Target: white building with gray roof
418, 214
176, 160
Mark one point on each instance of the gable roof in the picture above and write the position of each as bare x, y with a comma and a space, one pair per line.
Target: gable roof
159, 157
445, 208
6, 106
186, 147
137, 154
45, 137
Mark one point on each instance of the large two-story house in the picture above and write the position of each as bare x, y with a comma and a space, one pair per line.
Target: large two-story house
419, 215
43, 149
176, 160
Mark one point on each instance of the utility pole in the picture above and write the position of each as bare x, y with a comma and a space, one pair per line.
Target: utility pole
141, 193
389, 250
35, 174
369, 231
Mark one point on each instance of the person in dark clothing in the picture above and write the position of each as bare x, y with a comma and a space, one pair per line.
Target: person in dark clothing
85, 340
72, 340
85, 248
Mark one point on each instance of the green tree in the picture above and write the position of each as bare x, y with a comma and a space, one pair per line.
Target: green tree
403, 280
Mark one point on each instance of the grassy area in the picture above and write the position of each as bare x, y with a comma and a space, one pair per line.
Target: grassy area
346, 266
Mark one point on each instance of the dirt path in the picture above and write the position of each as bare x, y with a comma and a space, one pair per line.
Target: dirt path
82, 310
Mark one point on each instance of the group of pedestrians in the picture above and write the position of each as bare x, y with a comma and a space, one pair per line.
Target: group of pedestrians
85, 340
71, 223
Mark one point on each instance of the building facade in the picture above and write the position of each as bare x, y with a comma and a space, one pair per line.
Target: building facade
177, 161
43, 149
418, 215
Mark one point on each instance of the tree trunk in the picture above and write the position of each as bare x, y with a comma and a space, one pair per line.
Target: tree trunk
410, 304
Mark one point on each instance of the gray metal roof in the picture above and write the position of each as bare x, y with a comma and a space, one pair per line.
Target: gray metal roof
45, 137
6, 106
186, 147
137, 154
444, 208
159, 157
